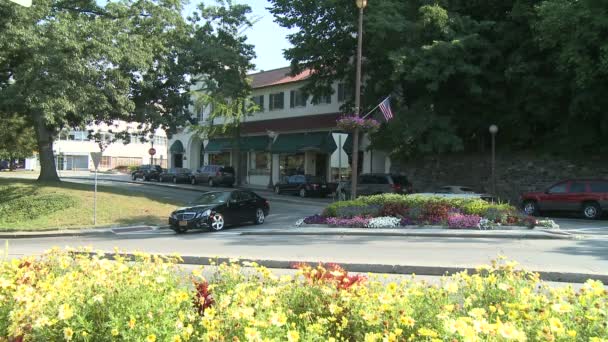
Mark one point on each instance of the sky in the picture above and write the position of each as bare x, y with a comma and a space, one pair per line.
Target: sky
268, 37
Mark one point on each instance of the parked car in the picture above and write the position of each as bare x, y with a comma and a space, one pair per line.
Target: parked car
213, 175
587, 196
214, 210
458, 191
147, 172
454, 189
4, 165
175, 175
303, 185
377, 183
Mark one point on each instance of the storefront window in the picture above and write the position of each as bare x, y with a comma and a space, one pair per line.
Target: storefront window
291, 164
220, 159
259, 163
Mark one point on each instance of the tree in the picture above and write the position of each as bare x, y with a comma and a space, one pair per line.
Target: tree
454, 67
71, 63
17, 138
223, 59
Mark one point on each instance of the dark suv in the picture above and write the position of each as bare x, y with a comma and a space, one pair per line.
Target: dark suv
147, 172
587, 196
377, 183
213, 175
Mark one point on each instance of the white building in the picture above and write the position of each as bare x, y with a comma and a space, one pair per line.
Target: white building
73, 149
306, 140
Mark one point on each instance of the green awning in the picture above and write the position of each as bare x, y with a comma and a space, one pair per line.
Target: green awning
177, 147
256, 143
218, 145
292, 143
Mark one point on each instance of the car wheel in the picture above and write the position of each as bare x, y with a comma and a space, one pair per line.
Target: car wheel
216, 222
277, 190
302, 193
146, 178
193, 181
591, 210
530, 208
259, 216
174, 180
211, 183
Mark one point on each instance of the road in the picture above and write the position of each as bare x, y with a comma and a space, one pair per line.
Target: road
586, 255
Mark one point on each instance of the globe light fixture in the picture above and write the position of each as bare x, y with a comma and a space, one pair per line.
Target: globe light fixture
361, 3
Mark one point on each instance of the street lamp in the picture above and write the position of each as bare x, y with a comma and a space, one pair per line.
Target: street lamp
271, 137
361, 4
493, 130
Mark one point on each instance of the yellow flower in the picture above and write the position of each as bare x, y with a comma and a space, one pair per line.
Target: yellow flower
427, 332
451, 287
407, 321
151, 338
556, 325
571, 333
65, 312
477, 313
278, 319
293, 336
252, 334
114, 332
176, 338
561, 307
68, 333
132, 323
98, 298
509, 332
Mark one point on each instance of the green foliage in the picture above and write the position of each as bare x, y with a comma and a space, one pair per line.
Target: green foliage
18, 206
17, 137
455, 67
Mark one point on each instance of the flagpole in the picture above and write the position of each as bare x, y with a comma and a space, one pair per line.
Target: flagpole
371, 111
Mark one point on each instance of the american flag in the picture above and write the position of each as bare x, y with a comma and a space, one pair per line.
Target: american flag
385, 107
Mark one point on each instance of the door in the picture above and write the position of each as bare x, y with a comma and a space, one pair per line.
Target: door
553, 197
247, 206
575, 197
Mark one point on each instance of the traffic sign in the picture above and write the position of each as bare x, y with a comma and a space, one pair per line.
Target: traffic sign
96, 156
152, 151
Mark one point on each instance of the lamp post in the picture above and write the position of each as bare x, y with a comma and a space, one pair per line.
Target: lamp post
361, 4
271, 136
493, 130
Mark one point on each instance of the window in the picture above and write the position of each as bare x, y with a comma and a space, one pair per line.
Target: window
599, 186
245, 196
259, 101
291, 164
380, 180
297, 99
260, 161
325, 99
297, 179
342, 94
576, 187
366, 179
160, 141
276, 101
558, 189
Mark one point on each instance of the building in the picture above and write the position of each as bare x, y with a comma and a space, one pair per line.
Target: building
73, 148
289, 135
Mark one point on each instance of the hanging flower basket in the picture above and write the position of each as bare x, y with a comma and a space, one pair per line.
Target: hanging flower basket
350, 123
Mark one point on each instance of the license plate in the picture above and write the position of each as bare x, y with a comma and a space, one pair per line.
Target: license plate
183, 223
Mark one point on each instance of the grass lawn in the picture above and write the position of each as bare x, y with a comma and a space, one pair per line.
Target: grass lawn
28, 205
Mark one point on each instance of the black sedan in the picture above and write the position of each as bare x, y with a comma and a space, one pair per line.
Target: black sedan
214, 210
176, 175
303, 185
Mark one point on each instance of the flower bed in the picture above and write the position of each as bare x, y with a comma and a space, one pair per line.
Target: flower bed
394, 211
62, 296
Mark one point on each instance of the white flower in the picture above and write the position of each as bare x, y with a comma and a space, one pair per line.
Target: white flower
547, 223
384, 222
484, 223
300, 222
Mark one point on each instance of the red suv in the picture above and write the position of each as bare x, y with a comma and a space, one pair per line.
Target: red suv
587, 196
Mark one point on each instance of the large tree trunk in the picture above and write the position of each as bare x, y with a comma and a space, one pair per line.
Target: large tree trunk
44, 136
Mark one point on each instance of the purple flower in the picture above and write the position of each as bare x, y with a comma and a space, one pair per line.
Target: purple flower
315, 219
355, 222
463, 221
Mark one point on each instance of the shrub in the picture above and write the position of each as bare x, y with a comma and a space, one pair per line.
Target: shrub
63, 296
315, 219
363, 210
394, 210
463, 221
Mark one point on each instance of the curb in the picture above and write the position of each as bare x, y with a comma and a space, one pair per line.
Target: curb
565, 277
265, 193
75, 232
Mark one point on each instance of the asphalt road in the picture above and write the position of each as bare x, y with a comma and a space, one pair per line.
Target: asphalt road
589, 254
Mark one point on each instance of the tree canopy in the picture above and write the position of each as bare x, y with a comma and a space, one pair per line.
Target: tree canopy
454, 67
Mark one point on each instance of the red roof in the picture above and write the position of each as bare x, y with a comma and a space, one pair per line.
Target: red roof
277, 76
307, 122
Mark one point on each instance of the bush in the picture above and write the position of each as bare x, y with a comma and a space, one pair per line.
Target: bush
151, 300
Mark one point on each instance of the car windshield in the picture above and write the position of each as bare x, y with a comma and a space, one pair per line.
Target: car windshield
400, 180
313, 179
213, 198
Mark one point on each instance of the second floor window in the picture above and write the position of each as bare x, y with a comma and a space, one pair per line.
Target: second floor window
342, 93
276, 101
298, 99
259, 101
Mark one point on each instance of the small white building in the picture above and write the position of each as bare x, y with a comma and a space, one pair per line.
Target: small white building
72, 148
289, 135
